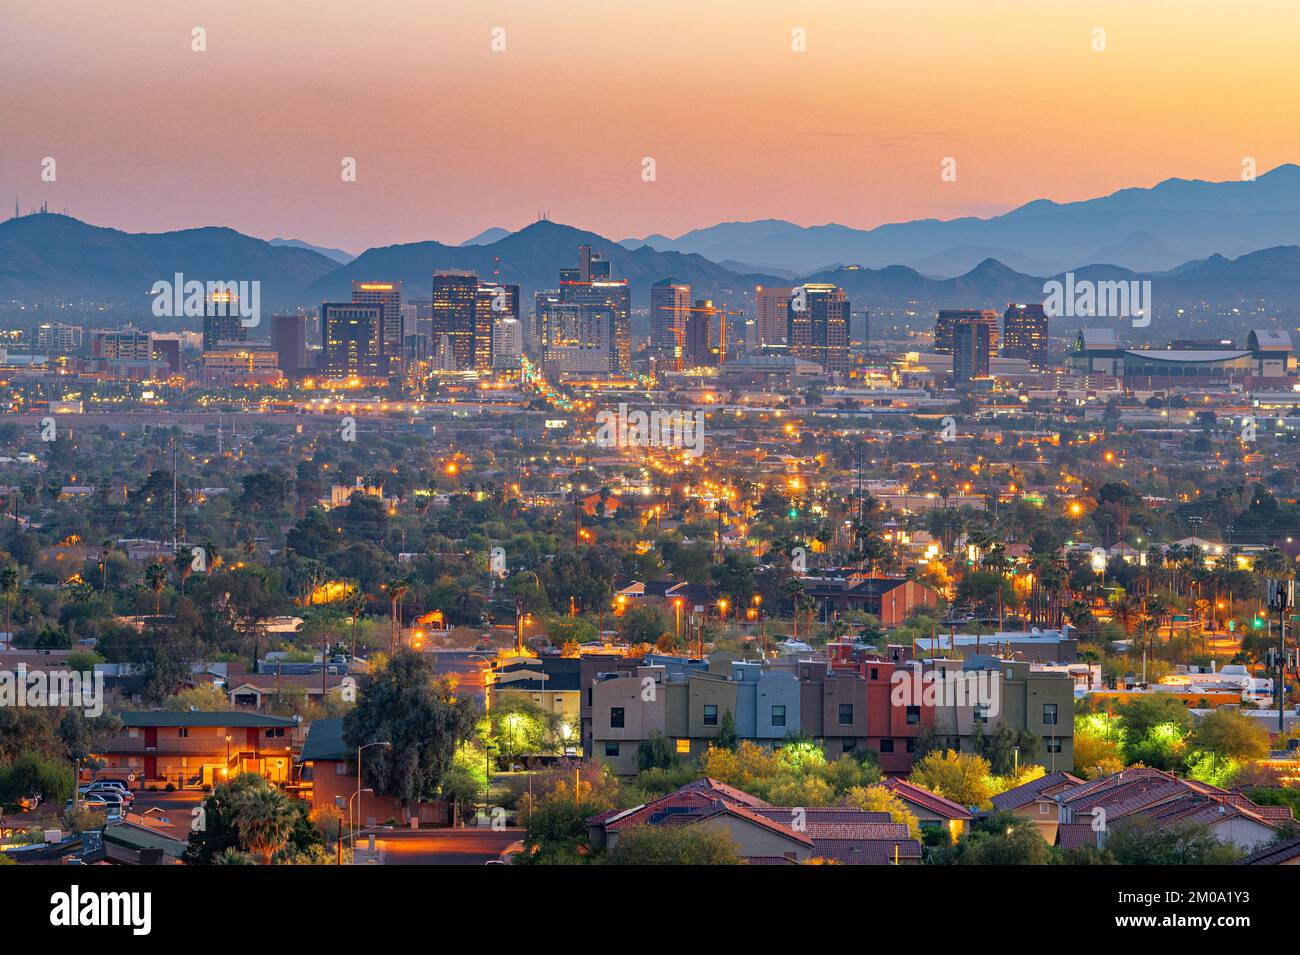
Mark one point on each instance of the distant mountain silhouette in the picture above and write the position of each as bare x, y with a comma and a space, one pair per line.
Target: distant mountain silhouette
338, 255
1143, 228
48, 257
494, 234
532, 258
52, 258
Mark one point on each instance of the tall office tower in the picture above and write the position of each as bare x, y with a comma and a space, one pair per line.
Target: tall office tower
577, 337
948, 319
58, 338
507, 344
534, 330
221, 321
454, 296
289, 340
1024, 334
670, 307
818, 325
590, 284
698, 338
772, 314
388, 296
353, 337
972, 345
493, 303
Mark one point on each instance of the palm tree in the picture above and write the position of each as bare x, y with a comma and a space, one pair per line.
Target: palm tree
156, 577
184, 561
356, 606
397, 590
264, 818
105, 548
8, 587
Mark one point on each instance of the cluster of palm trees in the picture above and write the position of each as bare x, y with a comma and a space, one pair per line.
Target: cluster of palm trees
263, 816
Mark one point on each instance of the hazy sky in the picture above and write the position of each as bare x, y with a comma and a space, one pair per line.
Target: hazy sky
451, 137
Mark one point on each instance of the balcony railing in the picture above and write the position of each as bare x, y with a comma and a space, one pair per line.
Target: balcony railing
198, 747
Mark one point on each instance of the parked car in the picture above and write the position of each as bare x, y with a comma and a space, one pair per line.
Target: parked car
105, 796
94, 803
109, 790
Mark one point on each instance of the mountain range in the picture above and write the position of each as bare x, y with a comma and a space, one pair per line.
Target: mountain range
1144, 229
54, 258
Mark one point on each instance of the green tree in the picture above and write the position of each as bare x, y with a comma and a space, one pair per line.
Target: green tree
264, 820
407, 704
656, 752
1143, 842
674, 845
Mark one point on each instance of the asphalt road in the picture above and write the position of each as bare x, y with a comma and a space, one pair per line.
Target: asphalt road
443, 846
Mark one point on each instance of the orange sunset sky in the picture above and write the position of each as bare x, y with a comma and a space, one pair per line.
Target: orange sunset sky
451, 137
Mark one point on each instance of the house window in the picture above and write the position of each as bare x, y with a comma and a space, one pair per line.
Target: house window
913, 715
911, 746
1043, 808
275, 733
616, 717
684, 746
589, 691
183, 731
1049, 714
875, 673
778, 716
849, 746
981, 713
611, 748
886, 745
710, 714
1053, 744
342, 769
846, 714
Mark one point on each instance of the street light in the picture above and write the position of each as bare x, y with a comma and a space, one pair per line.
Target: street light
351, 826
352, 833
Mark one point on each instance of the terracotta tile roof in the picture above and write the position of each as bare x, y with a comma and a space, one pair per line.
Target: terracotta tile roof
1072, 835
870, 852
933, 802
1026, 793
742, 812
1202, 810
698, 796
839, 822
730, 793
1274, 855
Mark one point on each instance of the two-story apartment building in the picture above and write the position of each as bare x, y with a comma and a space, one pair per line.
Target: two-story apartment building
193, 749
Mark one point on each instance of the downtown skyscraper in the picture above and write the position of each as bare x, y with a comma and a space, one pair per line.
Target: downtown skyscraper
388, 296
817, 323
670, 307
352, 337
949, 318
1024, 334
454, 323
594, 326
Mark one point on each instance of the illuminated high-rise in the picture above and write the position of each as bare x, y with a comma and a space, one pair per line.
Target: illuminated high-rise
455, 294
352, 337
670, 307
950, 317
388, 296
817, 322
1024, 334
